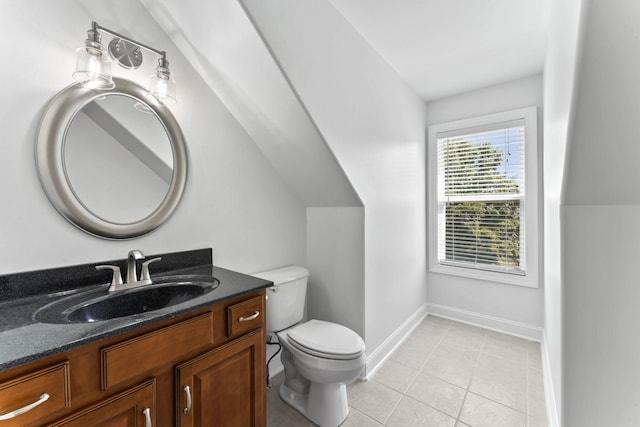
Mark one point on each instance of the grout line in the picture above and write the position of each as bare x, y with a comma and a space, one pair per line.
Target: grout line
432, 407
411, 383
393, 410
464, 399
497, 402
466, 392
404, 394
351, 408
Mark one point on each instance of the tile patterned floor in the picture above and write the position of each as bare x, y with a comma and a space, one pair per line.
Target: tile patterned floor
445, 373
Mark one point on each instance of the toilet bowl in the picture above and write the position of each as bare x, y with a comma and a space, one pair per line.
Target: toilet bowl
320, 358
316, 376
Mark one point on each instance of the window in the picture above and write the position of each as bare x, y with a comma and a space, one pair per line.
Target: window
483, 200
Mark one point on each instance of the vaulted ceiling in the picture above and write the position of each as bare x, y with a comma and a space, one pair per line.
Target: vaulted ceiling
283, 68
445, 47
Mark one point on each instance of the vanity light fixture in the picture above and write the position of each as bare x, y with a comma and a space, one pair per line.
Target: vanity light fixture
93, 64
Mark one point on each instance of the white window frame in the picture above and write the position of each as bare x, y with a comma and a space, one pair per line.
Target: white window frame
531, 213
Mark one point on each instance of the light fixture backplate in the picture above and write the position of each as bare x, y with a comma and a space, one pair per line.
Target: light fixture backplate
128, 55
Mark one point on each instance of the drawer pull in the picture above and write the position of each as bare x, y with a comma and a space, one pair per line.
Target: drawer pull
187, 392
147, 417
252, 317
43, 398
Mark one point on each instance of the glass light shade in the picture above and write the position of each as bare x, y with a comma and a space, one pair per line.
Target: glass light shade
163, 86
93, 68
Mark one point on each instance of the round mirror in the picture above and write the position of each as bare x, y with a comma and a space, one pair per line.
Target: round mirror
114, 162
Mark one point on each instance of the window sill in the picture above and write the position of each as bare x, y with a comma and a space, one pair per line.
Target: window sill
527, 281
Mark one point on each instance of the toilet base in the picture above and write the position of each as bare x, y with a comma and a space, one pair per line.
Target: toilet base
329, 408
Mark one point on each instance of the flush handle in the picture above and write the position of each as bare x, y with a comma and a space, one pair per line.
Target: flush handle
252, 317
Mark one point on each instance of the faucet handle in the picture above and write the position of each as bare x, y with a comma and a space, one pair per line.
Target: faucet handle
116, 280
144, 275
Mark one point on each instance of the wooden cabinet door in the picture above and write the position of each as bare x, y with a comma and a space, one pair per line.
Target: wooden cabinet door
227, 386
127, 409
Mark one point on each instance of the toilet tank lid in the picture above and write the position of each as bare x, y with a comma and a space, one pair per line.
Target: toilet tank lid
283, 275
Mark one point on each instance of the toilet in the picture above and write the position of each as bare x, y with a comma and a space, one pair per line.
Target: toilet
320, 358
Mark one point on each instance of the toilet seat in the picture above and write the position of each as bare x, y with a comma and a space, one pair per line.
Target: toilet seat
327, 340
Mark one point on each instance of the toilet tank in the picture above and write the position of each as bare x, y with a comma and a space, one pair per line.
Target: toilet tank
286, 298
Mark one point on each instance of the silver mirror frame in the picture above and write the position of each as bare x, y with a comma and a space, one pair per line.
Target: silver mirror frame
50, 163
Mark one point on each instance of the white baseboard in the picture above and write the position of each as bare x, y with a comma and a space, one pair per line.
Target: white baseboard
549, 392
506, 326
384, 350
377, 356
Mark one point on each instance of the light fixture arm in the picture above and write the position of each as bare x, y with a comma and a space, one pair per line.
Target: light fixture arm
95, 27
93, 67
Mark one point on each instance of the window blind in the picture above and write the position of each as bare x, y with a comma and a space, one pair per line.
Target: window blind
481, 187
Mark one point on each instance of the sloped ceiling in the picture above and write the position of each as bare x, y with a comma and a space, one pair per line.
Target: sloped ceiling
439, 48
445, 47
222, 44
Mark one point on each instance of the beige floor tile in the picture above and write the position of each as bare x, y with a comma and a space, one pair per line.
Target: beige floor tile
536, 405
501, 380
423, 381
534, 355
453, 364
436, 321
411, 355
433, 331
534, 422
438, 394
373, 399
480, 412
358, 419
506, 346
425, 341
395, 375
413, 413
461, 334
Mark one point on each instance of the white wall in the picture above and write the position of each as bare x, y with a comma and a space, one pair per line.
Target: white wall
511, 308
601, 316
601, 225
234, 202
375, 126
335, 259
559, 101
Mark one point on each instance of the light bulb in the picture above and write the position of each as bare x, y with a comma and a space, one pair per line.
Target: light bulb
93, 67
162, 84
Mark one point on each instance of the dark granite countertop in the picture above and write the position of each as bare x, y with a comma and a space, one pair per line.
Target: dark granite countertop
23, 339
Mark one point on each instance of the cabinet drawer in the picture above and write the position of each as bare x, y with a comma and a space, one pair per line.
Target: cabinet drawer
245, 316
132, 358
17, 396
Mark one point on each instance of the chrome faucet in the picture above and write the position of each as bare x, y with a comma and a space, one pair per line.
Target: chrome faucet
132, 274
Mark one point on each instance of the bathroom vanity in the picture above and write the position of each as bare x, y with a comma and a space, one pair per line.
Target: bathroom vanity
197, 363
